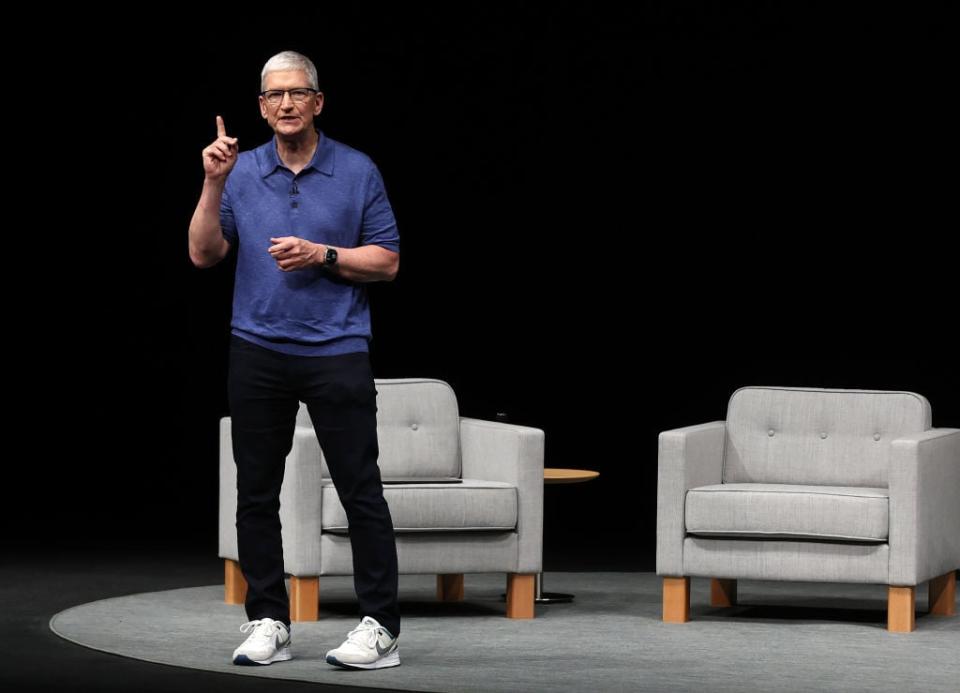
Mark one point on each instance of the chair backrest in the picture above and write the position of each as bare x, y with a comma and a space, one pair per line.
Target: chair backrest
817, 436
418, 430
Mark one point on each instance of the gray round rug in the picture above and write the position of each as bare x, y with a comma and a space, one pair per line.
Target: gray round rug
786, 636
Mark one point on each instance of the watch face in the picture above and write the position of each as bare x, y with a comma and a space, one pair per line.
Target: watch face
331, 256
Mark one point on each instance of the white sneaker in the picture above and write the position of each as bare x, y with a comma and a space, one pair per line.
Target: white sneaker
269, 642
368, 646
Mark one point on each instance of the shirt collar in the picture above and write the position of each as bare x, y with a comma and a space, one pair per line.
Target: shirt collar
322, 158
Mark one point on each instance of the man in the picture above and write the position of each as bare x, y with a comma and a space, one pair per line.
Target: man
311, 222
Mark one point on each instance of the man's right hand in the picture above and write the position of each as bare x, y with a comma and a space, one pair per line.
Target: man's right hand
220, 157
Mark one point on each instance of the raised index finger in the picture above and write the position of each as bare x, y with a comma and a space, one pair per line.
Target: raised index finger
221, 130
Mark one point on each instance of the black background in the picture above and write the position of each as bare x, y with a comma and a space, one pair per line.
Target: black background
609, 219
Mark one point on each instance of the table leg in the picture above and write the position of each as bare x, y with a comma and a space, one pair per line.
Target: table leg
542, 597
550, 597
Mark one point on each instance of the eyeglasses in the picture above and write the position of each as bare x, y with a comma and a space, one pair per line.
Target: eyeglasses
274, 97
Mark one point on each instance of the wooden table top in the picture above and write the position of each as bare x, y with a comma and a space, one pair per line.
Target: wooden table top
556, 475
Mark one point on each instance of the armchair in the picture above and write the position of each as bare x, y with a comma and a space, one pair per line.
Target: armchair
465, 495
813, 485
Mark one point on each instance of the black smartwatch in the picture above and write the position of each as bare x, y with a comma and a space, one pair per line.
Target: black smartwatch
330, 257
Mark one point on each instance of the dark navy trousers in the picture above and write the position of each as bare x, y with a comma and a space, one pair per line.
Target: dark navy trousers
265, 388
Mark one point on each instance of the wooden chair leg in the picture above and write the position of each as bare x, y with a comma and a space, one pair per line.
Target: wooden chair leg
234, 584
943, 594
901, 604
304, 598
520, 594
723, 592
676, 599
450, 587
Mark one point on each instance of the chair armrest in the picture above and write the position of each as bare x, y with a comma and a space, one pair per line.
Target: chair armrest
227, 506
494, 451
299, 501
300, 504
686, 458
924, 478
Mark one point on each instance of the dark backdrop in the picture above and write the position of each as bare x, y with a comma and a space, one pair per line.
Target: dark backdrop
610, 220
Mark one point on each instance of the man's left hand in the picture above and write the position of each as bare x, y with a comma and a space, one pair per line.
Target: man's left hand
292, 253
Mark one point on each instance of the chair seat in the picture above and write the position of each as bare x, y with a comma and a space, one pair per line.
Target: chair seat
843, 513
468, 505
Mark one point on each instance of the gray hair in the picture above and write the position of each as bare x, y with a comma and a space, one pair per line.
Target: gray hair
290, 60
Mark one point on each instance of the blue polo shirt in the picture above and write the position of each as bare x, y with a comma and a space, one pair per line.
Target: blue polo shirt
338, 199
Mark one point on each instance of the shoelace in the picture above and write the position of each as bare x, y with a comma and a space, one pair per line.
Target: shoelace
364, 634
260, 628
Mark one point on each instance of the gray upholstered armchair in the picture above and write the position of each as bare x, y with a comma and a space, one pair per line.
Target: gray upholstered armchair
812, 485
465, 495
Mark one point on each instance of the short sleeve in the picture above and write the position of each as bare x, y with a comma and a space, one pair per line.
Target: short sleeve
228, 224
379, 224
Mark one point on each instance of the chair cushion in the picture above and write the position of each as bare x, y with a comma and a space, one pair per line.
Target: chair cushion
848, 513
470, 505
783, 435
418, 430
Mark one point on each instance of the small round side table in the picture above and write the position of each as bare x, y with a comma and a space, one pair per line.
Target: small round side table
555, 475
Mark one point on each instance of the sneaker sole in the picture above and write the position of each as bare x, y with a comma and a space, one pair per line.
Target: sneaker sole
391, 660
282, 655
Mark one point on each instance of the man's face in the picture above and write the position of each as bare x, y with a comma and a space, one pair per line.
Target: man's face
295, 110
